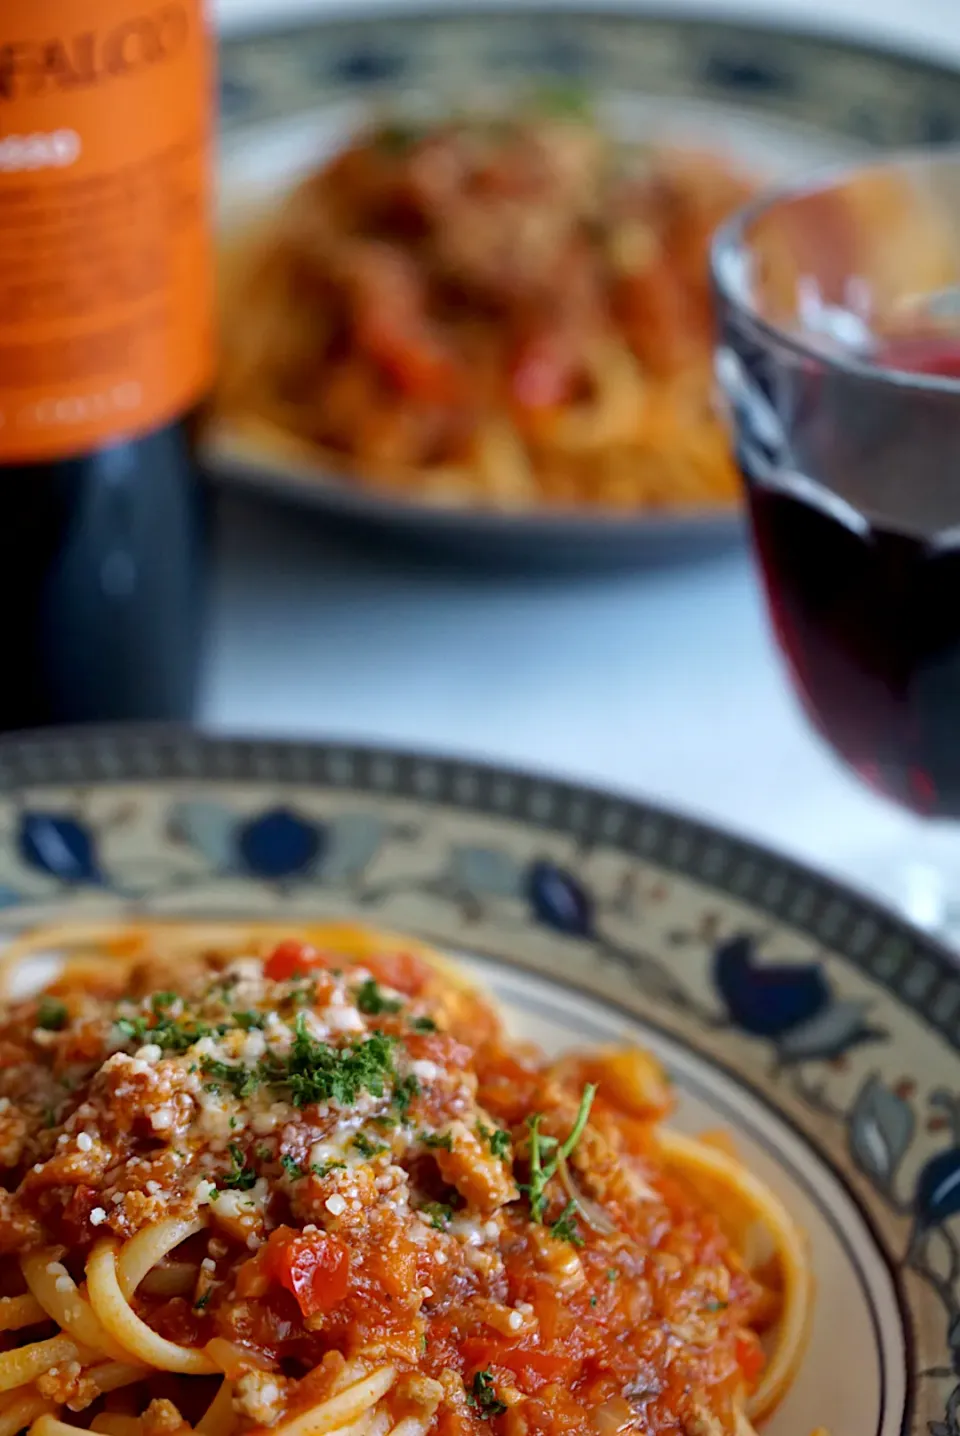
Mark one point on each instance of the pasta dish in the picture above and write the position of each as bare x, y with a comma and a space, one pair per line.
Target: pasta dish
509, 314
259, 1177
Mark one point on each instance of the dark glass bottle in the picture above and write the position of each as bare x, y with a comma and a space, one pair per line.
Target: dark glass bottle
102, 571
106, 353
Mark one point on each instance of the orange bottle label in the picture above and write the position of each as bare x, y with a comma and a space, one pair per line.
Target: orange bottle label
106, 285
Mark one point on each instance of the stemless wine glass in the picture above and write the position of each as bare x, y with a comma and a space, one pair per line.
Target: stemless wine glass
839, 355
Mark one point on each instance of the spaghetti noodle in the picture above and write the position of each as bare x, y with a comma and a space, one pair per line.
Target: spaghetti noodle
509, 314
299, 1179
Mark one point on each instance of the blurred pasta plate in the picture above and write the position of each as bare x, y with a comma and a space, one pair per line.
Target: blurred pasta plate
464, 285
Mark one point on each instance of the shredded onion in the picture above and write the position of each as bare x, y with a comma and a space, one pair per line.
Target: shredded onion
592, 1213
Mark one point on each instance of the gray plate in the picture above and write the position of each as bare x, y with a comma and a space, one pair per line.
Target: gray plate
783, 101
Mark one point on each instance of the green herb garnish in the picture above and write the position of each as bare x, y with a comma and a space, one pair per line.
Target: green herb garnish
242, 1081
483, 1397
52, 1015
323, 1169
366, 1148
170, 1034
423, 1024
249, 1021
291, 1166
565, 1228
541, 1145
240, 1178
439, 1214
316, 1072
443, 1140
500, 1143
201, 1301
404, 1091
372, 1001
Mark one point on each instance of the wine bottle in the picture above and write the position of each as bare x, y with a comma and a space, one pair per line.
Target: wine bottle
106, 351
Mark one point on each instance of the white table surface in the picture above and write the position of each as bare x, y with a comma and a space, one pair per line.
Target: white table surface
663, 683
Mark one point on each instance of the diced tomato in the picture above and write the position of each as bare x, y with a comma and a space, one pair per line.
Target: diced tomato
532, 1366
541, 374
750, 1357
292, 959
412, 358
314, 1268
401, 970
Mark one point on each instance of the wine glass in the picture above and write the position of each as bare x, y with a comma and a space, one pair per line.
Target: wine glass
839, 355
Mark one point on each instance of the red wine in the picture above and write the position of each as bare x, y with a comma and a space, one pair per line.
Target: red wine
863, 579
106, 351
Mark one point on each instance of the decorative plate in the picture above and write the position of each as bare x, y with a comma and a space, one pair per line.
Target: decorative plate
820, 1030
781, 100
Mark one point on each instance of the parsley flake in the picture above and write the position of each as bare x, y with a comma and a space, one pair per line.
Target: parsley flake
443, 1140
483, 1396
372, 1001
52, 1015
323, 1169
565, 1228
404, 1091
249, 1021
439, 1214
291, 1166
240, 1178
366, 1148
423, 1024
242, 1081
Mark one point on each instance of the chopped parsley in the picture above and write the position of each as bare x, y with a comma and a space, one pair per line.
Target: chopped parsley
593, 1301
291, 1166
323, 1169
242, 1081
49, 1117
240, 1178
714, 1305
541, 1145
439, 1214
52, 1015
160, 1001
405, 1089
496, 1139
249, 1021
201, 1301
438, 1139
316, 1072
500, 1143
373, 1002
483, 1396
565, 1228
366, 1148
169, 1033
423, 1024
612, 1273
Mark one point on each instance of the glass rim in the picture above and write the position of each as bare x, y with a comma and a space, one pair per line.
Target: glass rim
729, 238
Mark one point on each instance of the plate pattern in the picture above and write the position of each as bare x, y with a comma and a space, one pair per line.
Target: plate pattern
877, 97
834, 1014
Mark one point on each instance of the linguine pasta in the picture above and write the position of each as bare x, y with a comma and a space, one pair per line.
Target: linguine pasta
300, 1179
